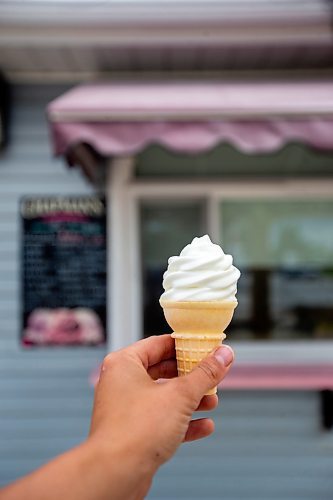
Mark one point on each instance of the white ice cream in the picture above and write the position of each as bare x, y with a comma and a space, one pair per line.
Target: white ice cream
202, 272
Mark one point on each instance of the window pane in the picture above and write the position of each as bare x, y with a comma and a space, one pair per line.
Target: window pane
165, 230
285, 252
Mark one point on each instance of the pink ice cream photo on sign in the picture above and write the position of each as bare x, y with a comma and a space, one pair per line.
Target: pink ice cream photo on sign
63, 326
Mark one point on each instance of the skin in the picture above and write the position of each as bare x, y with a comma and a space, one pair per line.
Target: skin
142, 413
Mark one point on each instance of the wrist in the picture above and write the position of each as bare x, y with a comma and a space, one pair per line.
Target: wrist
125, 467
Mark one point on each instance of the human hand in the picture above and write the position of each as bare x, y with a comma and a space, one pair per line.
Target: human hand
139, 420
140, 416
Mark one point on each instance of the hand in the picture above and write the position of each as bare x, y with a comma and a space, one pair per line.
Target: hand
138, 423
139, 416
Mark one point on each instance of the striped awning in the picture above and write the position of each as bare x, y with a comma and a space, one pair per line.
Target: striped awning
122, 118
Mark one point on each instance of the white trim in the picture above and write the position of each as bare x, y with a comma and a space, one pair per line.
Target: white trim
296, 189
135, 273
120, 332
154, 12
124, 195
213, 218
206, 23
257, 352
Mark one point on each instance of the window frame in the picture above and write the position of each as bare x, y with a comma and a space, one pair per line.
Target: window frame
125, 193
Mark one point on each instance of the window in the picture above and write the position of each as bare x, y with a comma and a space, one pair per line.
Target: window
284, 249
282, 242
165, 229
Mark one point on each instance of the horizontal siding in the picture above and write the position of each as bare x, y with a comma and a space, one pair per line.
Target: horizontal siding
45, 397
267, 446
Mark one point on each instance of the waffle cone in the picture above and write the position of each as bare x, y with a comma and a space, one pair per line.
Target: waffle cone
198, 328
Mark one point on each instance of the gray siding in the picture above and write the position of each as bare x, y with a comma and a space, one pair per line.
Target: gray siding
267, 446
45, 398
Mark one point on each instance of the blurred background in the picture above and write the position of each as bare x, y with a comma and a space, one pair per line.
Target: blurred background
196, 117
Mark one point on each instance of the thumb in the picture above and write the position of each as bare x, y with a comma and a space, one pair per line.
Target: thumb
209, 372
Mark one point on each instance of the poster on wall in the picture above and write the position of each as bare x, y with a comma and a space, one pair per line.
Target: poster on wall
64, 270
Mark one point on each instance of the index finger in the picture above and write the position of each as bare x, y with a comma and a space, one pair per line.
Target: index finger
154, 349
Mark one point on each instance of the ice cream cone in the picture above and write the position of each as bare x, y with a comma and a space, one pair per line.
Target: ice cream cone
198, 328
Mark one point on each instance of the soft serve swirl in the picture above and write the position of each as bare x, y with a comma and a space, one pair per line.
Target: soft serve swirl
202, 272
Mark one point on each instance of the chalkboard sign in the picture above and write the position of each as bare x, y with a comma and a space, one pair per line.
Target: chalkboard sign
64, 270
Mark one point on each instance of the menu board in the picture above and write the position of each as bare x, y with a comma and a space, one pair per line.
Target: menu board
64, 270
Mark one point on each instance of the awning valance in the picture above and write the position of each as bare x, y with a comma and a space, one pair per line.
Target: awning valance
123, 118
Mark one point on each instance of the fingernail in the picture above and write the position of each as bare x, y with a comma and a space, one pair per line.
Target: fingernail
224, 355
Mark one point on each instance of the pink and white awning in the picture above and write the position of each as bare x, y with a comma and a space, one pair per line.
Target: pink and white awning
191, 117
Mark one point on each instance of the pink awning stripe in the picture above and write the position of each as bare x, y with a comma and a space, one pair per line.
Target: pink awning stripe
269, 377
249, 137
118, 119
286, 377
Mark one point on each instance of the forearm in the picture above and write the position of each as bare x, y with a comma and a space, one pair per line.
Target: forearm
85, 473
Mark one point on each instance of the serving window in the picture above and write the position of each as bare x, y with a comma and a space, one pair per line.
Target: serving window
279, 229
285, 251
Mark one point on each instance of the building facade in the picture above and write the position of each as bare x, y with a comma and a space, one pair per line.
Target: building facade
272, 211
269, 444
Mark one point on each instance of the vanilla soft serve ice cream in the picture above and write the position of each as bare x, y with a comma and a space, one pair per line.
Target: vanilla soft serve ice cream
199, 300
202, 272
